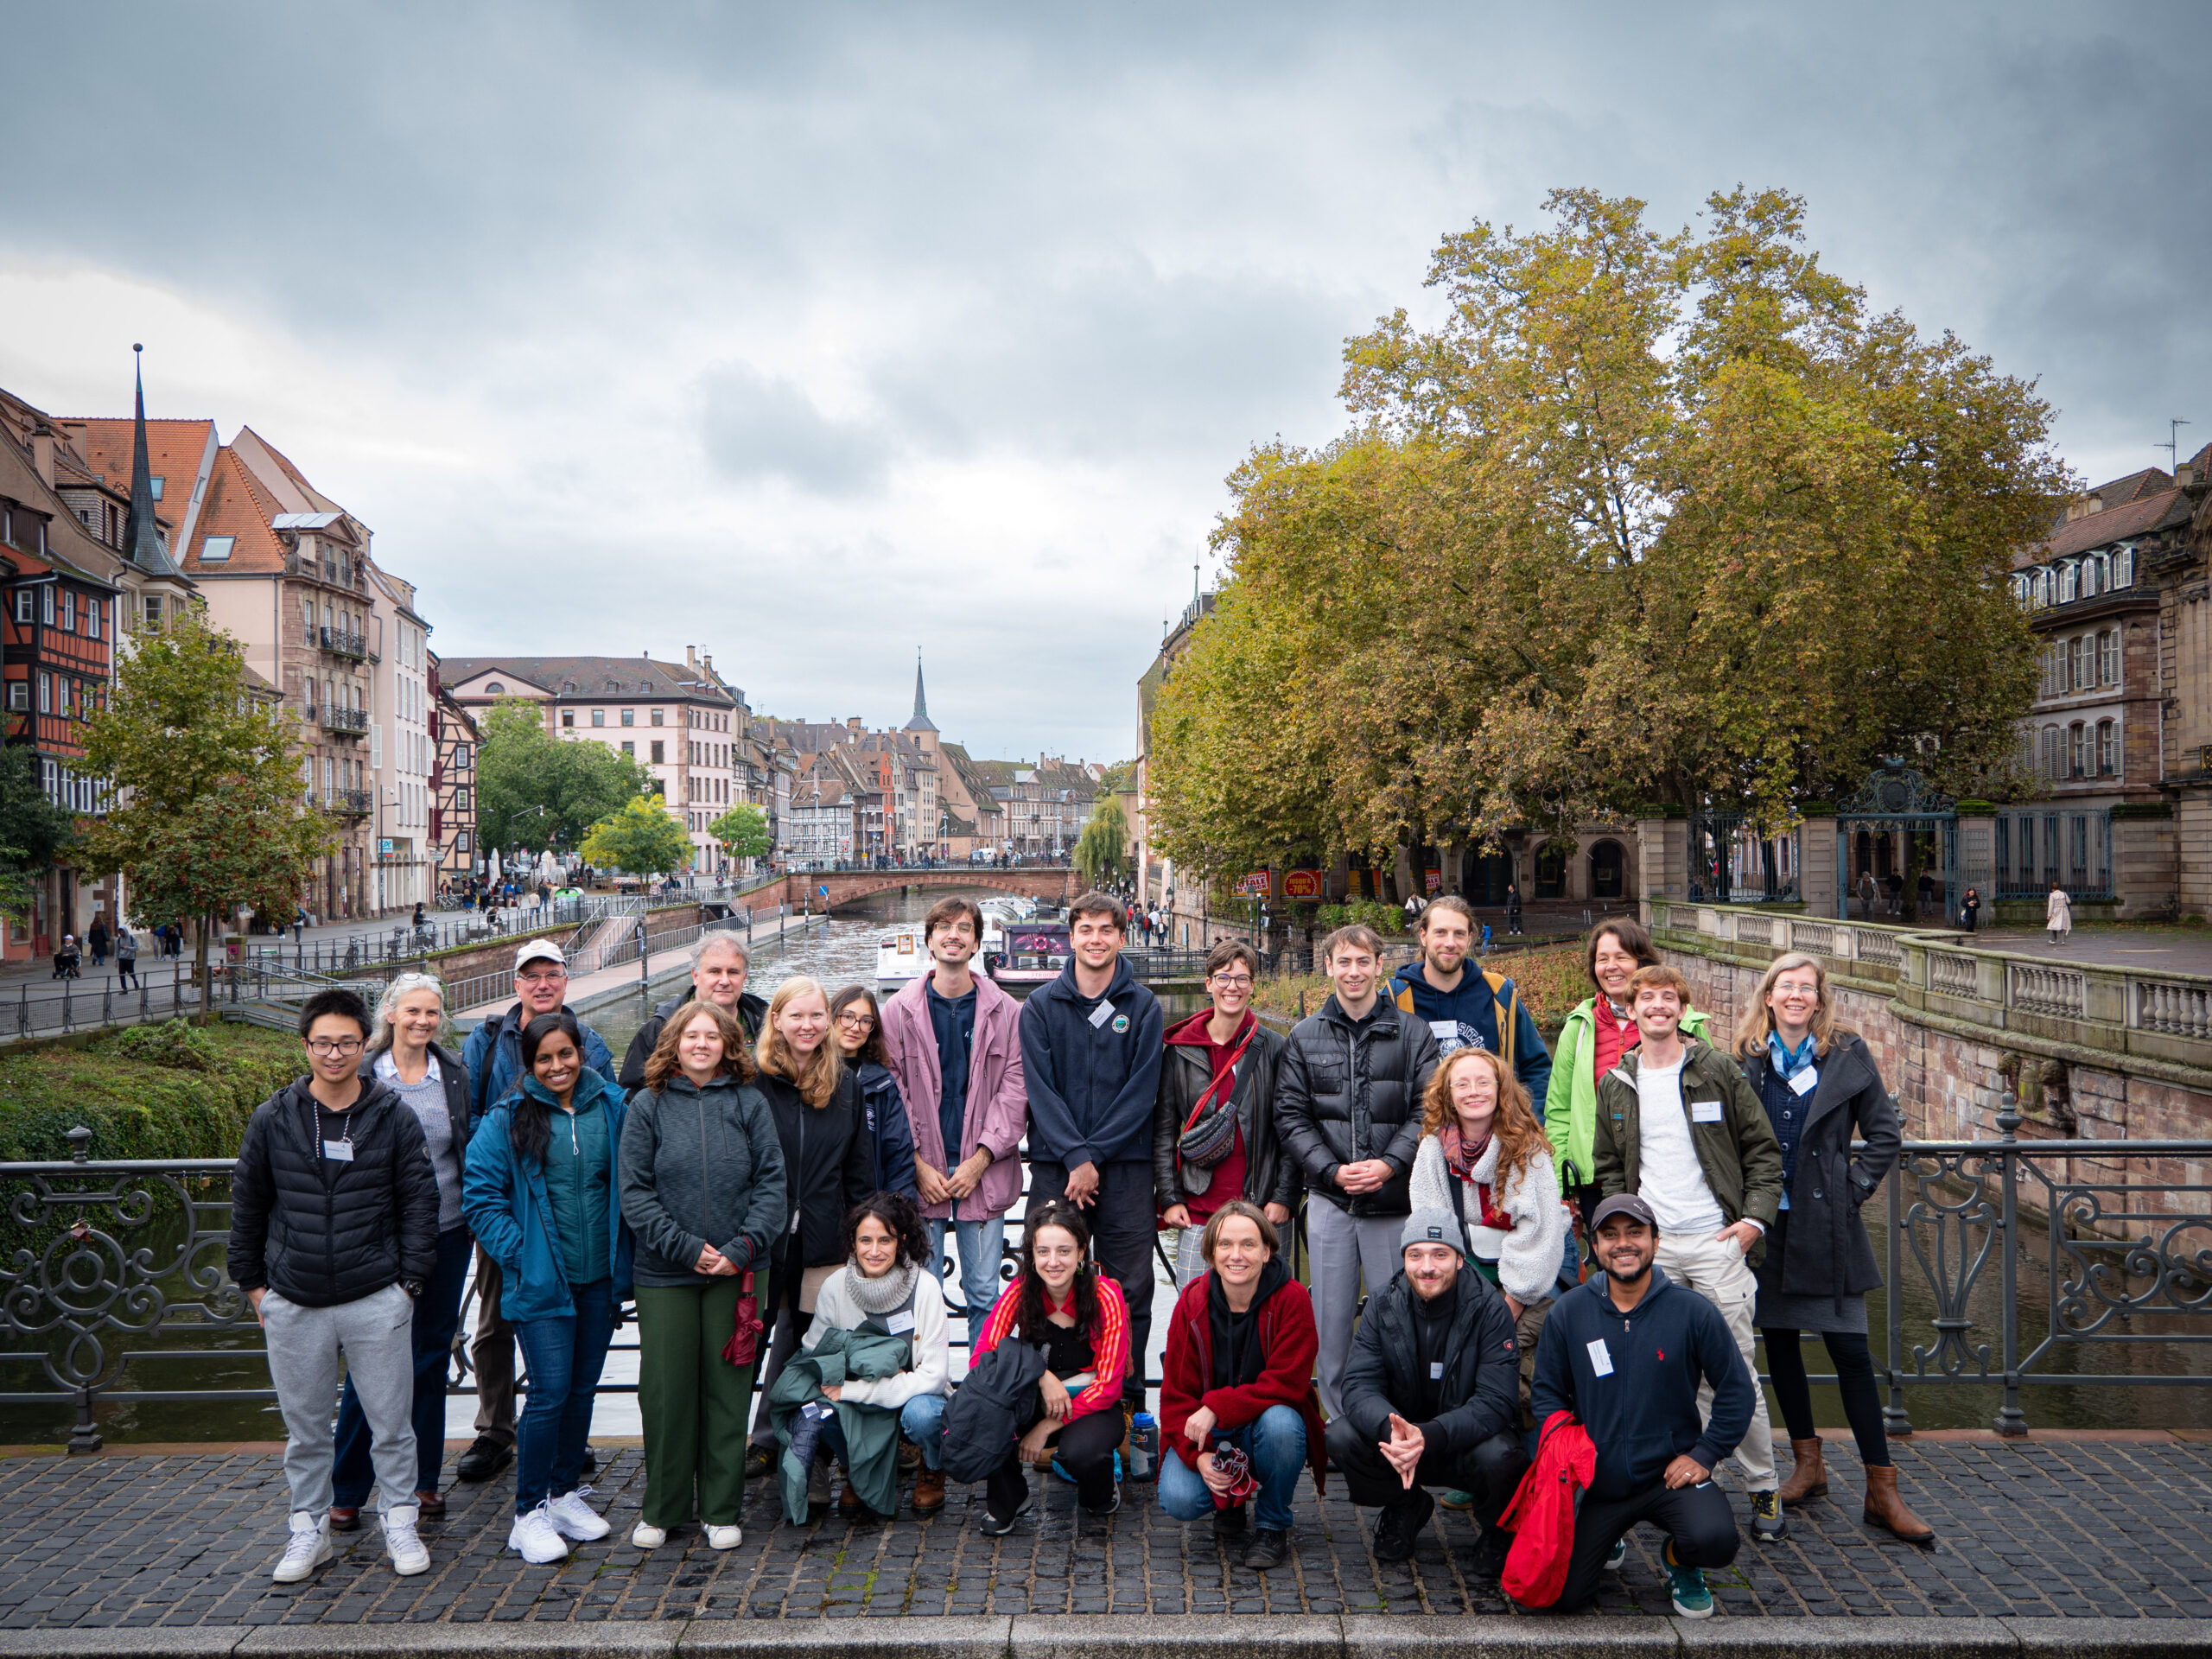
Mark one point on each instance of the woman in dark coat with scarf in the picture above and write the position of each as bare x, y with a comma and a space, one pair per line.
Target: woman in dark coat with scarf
1821, 1091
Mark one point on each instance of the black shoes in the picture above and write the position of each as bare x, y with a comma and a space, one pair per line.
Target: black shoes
1400, 1524
485, 1459
1491, 1552
992, 1526
1269, 1548
1230, 1523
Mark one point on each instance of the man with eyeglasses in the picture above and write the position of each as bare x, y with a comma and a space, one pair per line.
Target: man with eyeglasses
334, 1234
1213, 1128
719, 968
493, 1056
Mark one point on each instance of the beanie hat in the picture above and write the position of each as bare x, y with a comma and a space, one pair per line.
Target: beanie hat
1431, 1227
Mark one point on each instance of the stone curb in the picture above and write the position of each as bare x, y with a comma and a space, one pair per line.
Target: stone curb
1319, 1636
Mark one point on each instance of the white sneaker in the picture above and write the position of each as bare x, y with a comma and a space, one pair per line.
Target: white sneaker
576, 1519
537, 1537
402, 1543
724, 1537
307, 1549
646, 1537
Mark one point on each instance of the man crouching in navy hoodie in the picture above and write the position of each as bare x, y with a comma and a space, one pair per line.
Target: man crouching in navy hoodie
1091, 1043
1626, 1354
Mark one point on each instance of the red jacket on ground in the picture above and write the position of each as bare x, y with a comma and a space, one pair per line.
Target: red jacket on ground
1540, 1518
1286, 1338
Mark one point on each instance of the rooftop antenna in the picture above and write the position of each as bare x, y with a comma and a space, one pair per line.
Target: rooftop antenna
2173, 445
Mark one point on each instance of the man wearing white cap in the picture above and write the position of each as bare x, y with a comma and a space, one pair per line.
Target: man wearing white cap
1432, 1395
493, 1056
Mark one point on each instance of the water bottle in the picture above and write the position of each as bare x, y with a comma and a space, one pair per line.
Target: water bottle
1144, 1447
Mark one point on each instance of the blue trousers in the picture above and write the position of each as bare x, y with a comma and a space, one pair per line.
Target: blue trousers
564, 1356
1274, 1441
982, 1247
437, 1316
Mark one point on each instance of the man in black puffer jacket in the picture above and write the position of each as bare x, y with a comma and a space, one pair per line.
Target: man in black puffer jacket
333, 1233
719, 965
1348, 1093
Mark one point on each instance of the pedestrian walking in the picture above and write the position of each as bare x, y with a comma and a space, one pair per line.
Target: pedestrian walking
1214, 1140
540, 1191
2058, 914
1840, 1136
955, 1041
1970, 912
1927, 895
1238, 1377
1090, 1055
96, 938
1895, 885
1679, 1125
1348, 1091
404, 1056
856, 1029
1512, 909
333, 1237
703, 1190
1867, 894
126, 955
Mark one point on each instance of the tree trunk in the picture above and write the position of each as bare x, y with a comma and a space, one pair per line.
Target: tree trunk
200, 975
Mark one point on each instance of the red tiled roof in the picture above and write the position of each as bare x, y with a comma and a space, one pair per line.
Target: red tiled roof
2139, 515
236, 506
173, 450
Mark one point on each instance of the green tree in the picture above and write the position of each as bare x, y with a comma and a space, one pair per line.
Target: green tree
533, 790
1648, 517
33, 831
641, 837
1101, 852
211, 813
743, 831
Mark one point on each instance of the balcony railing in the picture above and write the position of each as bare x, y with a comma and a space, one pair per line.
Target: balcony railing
347, 722
340, 643
349, 803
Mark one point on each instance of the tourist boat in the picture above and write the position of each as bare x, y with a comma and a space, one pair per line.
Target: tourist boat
1031, 954
899, 957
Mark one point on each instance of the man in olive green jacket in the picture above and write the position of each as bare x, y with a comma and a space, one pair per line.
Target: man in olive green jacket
1679, 1126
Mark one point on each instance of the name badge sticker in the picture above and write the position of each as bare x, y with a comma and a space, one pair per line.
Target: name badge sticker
1805, 1081
1601, 1357
1101, 1014
1436, 1371
900, 1323
1705, 1111
342, 1151
1442, 1028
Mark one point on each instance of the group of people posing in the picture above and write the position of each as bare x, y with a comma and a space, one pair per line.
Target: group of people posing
774, 1187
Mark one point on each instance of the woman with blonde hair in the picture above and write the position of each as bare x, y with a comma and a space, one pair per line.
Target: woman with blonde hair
829, 1167
1821, 1091
403, 1054
702, 1190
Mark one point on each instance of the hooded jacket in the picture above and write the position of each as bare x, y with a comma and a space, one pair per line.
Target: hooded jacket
827, 1168
1092, 1067
1481, 1386
890, 1132
1185, 1070
700, 1166
1824, 1248
1348, 1091
324, 1231
1571, 1107
493, 1056
751, 1011
1642, 1413
1287, 1341
996, 1113
1485, 1011
1736, 1147
504, 1198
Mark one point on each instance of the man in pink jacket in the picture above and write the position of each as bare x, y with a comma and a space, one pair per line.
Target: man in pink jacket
955, 1049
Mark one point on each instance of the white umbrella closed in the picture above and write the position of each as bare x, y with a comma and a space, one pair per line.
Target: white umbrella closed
495, 864
549, 867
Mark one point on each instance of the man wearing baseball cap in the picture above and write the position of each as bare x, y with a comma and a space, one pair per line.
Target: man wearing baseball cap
1627, 1354
494, 1057
1432, 1395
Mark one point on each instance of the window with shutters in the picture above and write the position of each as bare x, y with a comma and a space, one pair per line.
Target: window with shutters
2107, 748
2085, 663
2108, 658
2078, 758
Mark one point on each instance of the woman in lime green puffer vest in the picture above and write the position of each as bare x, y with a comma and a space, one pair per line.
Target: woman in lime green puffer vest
1591, 1043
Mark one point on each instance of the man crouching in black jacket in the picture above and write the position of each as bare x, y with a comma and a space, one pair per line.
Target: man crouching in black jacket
334, 1232
1431, 1396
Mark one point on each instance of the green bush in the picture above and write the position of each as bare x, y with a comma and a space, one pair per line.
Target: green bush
1386, 919
144, 1093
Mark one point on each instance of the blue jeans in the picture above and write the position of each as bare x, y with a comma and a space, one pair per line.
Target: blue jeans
983, 1244
437, 1315
564, 1356
1275, 1442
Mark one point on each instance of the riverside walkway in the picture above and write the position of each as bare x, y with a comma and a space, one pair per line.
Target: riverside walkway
2087, 1540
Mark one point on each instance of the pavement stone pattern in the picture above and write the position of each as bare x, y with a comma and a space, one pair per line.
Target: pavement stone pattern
2040, 1530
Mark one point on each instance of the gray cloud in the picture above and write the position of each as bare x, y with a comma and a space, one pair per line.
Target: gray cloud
755, 426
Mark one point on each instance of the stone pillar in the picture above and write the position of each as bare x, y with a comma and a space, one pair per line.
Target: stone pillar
1663, 862
2145, 878
1977, 860
2193, 849
1817, 877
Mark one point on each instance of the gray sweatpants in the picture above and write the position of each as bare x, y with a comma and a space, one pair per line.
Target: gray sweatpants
377, 1336
1343, 1250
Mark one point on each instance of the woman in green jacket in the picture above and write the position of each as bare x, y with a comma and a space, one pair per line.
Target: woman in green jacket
1591, 1043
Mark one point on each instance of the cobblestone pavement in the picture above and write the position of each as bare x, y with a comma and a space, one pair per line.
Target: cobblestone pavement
2102, 1528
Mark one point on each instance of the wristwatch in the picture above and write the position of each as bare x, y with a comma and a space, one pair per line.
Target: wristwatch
413, 1288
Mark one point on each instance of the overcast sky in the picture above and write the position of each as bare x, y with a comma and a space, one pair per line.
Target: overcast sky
812, 334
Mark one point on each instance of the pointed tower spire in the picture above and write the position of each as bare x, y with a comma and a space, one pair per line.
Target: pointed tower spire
921, 721
141, 541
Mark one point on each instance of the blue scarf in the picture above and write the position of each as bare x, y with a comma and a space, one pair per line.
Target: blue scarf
1787, 1064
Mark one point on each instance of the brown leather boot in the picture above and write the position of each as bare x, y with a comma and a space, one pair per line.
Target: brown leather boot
1809, 1479
1885, 1509
929, 1491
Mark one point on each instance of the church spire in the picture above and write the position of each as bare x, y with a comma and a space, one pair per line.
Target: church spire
921, 721
141, 541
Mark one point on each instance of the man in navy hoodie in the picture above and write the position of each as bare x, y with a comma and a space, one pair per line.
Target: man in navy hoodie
1625, 1354
1091, 1043
1467, 1007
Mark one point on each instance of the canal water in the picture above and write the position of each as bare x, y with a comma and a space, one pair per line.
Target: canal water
841, 951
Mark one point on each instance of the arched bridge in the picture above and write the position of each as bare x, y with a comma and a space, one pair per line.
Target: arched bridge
1058, 883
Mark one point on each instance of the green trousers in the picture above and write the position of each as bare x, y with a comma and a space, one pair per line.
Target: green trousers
693, 1402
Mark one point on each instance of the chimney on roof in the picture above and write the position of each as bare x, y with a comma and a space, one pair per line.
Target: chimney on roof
691, 658
853, 725
43, 452
2185, 475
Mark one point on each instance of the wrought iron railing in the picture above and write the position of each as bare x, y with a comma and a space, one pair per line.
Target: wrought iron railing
56, 1008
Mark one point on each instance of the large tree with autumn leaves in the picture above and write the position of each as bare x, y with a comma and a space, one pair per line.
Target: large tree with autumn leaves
1648, 517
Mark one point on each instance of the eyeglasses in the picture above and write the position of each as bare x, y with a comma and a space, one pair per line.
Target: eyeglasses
1233, 981
553, 978
858, 1022
325, 1048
